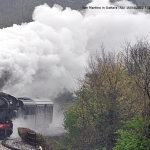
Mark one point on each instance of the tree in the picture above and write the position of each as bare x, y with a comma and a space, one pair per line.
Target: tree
115, 88
108, 77
108, 94
133, 135
137, 60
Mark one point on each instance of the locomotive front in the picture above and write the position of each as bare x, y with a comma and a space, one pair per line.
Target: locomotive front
8, 108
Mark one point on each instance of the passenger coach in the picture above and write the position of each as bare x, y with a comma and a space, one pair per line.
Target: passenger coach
36, 111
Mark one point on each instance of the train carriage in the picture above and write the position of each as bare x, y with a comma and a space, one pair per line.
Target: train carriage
37, 111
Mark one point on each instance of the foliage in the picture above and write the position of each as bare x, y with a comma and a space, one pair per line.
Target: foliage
115, 88
100, 104
70, 121
109, 78
133, 135
40, 140
85, 120
23, 133
52, 142
137, 61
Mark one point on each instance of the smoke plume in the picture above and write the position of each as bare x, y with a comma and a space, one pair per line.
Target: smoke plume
44, 57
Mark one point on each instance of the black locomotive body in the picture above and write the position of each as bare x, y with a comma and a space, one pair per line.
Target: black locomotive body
35, 111
8, 110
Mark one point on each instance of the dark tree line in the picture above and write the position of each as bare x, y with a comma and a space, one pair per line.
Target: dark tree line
137, 2
19, 11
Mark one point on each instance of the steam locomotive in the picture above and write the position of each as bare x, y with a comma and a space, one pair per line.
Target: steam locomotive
36, 111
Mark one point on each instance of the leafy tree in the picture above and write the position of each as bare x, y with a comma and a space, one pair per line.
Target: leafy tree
137, 61
115, 88
108, 95
133, 135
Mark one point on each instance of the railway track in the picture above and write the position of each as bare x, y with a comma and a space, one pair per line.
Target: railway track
3, 147
7, 146
14, 144
17, 144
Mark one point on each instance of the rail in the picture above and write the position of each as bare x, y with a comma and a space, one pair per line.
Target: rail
8, 146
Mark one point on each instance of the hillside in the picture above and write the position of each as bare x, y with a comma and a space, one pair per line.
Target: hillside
19, 11
137, 2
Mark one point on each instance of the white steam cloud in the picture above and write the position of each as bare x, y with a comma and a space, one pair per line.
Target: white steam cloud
42, 58
112, 27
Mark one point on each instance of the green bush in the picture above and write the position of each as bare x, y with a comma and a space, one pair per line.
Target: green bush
87, 126
133, 135
70, 121
40, 140
23, 133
